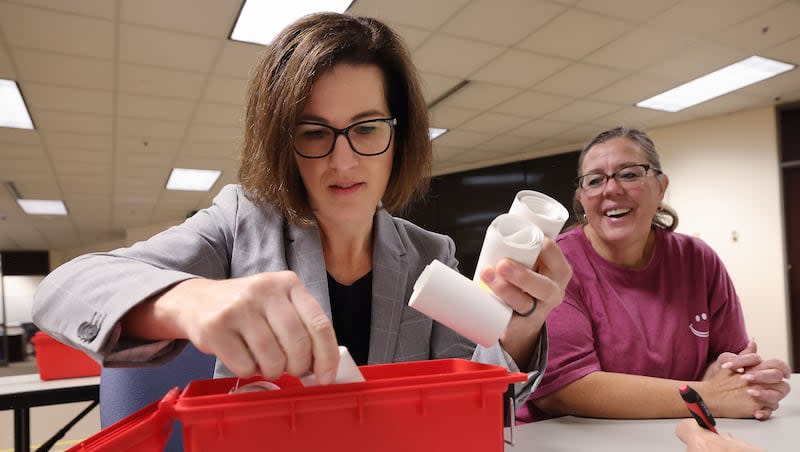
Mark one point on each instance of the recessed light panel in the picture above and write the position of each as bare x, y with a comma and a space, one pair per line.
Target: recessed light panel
260, 21
730, 78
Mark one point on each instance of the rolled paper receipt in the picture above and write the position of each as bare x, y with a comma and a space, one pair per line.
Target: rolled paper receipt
511, 236
452, 299
541, 210
347, 372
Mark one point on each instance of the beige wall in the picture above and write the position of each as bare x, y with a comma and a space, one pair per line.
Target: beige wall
725, 184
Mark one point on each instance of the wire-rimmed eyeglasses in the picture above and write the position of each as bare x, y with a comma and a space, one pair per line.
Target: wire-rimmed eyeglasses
630, 175
315, 140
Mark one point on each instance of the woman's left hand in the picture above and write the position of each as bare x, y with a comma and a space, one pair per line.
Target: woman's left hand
518, 286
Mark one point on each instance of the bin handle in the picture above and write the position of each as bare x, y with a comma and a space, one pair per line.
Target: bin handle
167, 404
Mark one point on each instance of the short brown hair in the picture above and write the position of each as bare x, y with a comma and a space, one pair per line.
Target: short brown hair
666, 217
281, 85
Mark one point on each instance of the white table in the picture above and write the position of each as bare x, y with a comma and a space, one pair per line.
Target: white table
573, 434
21, 392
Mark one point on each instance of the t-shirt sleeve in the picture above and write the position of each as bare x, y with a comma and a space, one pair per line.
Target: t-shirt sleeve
572, 352
727, 319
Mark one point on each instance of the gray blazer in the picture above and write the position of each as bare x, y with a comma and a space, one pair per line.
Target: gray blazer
82, 301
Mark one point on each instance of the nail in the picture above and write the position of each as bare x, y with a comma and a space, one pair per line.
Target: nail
748, 377
753, 392
727, 365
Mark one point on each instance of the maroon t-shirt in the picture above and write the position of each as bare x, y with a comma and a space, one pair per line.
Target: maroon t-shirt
666, 320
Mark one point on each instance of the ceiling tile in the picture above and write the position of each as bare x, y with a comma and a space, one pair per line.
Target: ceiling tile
579, 80
582, 111
728, 103
57, 121
144, 129
532, 104
152, 81
238, 59
434, 86
542, 128
462, 139
78, 100
61, 155
146, 107
409, 12
78, 141
633, 89
633, 10
226, 90
648, 46
166, 48
7, 71
157, 150
19, 137
215, 149
208, 133
763, 31
205, 17
479, 96
503, 23
493, 123
64, 70
220, 114
41, 29
413, 37
788, 52
450, 117
707, 16
455, 57
505, 144
520, 69
587, 33
697, 60
774, 87
633, 117
25, 236
95, 8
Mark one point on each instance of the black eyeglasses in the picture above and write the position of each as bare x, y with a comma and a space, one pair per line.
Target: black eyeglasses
314, 140
631, 175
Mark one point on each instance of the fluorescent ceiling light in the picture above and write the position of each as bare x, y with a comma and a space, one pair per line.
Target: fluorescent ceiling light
42, 206
192, 179
260, 21
730, 78
435, 133
13, 111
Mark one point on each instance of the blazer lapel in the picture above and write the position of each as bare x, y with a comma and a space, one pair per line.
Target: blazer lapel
389, 274
304, 257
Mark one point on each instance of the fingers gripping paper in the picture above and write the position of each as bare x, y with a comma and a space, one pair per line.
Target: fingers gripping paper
468, 307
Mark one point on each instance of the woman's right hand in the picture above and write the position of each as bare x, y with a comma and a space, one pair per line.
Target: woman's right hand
261, 324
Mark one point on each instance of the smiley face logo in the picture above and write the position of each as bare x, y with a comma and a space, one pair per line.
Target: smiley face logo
699, 325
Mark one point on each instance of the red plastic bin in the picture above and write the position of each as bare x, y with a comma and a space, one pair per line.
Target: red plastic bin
56, 360
449, 404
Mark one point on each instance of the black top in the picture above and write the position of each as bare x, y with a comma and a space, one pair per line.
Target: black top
351, 307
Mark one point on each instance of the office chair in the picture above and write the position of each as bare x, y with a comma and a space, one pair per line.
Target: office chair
123, 391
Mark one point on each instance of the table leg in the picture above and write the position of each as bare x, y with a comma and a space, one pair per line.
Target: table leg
22, 429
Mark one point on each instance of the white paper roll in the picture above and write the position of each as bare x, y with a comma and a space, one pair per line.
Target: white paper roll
541, 210
511, 236
453, 300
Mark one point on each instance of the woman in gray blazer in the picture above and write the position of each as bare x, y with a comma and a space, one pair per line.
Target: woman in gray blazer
304, 253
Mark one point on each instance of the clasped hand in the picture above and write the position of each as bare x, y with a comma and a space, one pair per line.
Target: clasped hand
747, 385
